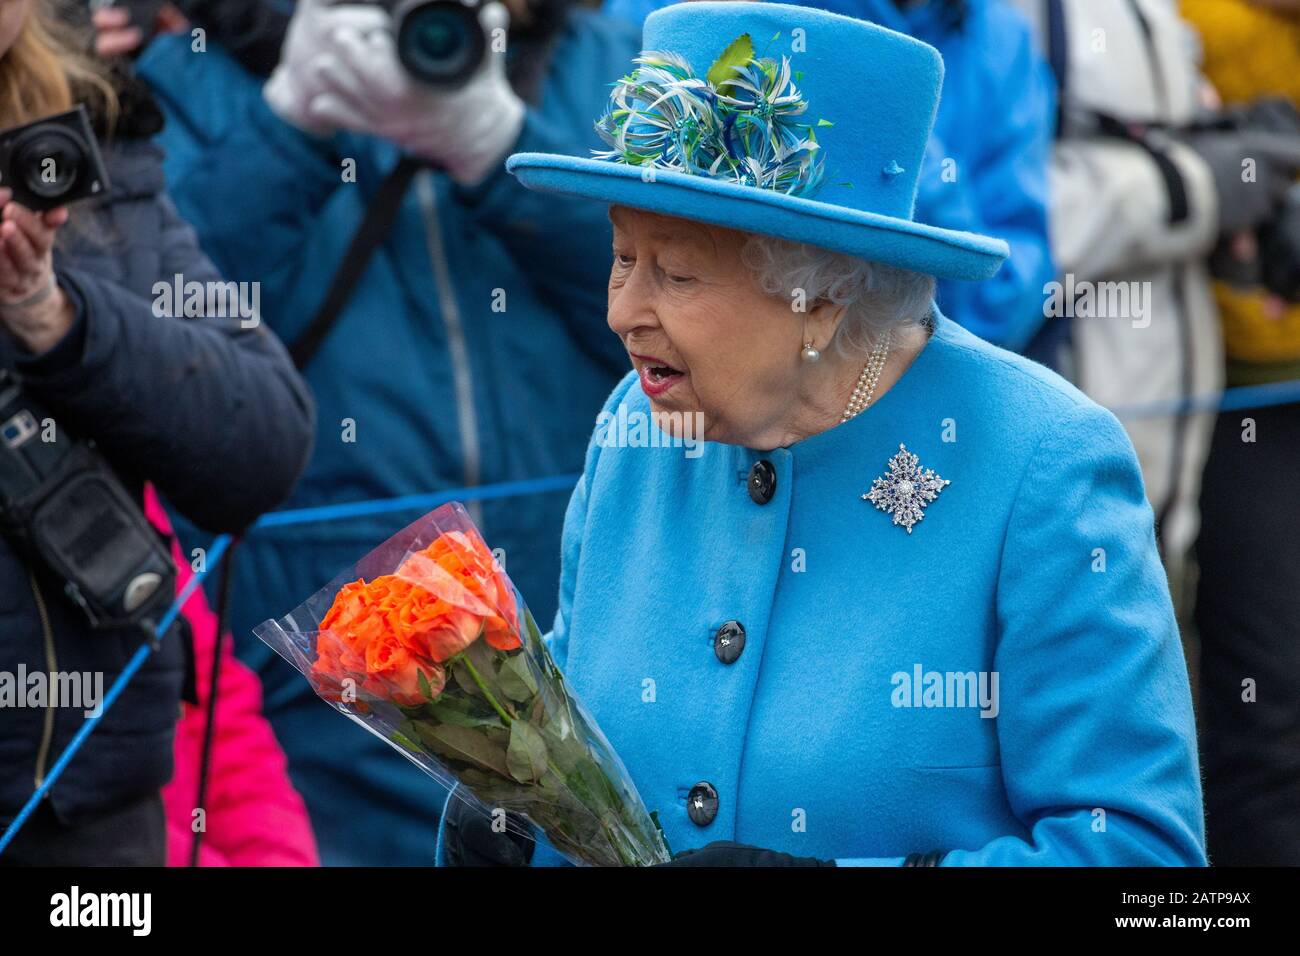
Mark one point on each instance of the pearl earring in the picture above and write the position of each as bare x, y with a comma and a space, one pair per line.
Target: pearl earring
809, 353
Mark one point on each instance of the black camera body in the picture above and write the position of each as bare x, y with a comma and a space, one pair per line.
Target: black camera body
62, 505
440, 42
52, 161
143, 13
1277, 268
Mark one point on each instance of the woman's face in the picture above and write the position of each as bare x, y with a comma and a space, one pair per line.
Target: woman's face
13, 14
704, 337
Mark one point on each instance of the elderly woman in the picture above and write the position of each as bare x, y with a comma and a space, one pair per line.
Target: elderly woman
902, 605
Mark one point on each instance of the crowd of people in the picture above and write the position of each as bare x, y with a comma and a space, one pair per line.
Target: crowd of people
425, 322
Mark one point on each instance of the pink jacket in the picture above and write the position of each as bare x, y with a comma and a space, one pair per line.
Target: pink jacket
254, 815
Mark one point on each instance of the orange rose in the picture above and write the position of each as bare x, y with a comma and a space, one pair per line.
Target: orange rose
394, 672
392, 634
470, 564
337, 661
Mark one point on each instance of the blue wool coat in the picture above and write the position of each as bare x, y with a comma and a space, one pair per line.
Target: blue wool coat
1038, 563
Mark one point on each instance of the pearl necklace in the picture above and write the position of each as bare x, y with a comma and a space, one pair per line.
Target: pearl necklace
865, 390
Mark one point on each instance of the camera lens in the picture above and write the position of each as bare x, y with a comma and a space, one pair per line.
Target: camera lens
439, 41
48, 160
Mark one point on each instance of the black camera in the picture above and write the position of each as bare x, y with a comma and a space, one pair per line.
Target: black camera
53, 161
440, 42
143, 13
1277, 267
62, 505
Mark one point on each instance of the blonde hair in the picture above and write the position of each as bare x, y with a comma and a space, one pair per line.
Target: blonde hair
45, 71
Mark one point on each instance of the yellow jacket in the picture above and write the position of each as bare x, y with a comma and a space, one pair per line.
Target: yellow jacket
1251, 52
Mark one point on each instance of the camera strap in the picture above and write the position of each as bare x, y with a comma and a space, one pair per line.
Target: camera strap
369, 236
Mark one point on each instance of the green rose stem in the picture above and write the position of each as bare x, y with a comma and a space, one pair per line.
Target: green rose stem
508, 720
482, 685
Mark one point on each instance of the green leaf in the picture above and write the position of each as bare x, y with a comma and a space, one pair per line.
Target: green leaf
565, 754
577, 785
461, 712
481, 654
464, 681
484, 659
516, 678
477, 780
824, 122
526, 755
406, 741
534, 633
737, 54
466, 745
425, 689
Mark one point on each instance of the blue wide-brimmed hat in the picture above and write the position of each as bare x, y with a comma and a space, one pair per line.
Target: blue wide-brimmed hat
780, 120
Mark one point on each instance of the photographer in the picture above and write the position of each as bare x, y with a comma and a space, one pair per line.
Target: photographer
1248, 595
207, 409
1141, 194
251, 31
483, 304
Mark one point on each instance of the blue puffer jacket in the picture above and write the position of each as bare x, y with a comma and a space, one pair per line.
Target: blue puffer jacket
212, 414
473, 351
986, 165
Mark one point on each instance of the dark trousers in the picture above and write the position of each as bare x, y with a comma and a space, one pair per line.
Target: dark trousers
1248, 618
132, 835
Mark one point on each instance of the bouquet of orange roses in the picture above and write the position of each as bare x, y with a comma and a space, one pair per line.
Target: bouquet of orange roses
426, 643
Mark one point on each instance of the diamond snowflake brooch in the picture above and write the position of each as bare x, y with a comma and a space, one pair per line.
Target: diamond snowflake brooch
905, 489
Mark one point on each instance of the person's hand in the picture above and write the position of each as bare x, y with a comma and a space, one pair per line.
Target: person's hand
729, 854
470, 839
116, 34
311, 50
1246, 202
468, 131
32, 307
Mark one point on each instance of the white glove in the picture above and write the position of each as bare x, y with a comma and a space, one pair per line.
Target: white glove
309, 50
468, 131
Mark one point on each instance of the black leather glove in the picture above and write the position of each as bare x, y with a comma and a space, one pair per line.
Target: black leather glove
726, 853
469, 840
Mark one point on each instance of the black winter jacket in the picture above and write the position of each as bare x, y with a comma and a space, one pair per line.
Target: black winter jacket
214, 415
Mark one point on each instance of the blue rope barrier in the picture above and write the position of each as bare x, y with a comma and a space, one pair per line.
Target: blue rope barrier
422, 502
1232, 399
1250, 396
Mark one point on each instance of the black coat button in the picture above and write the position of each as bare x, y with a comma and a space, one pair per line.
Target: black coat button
729, 642
762, 482
702, 803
